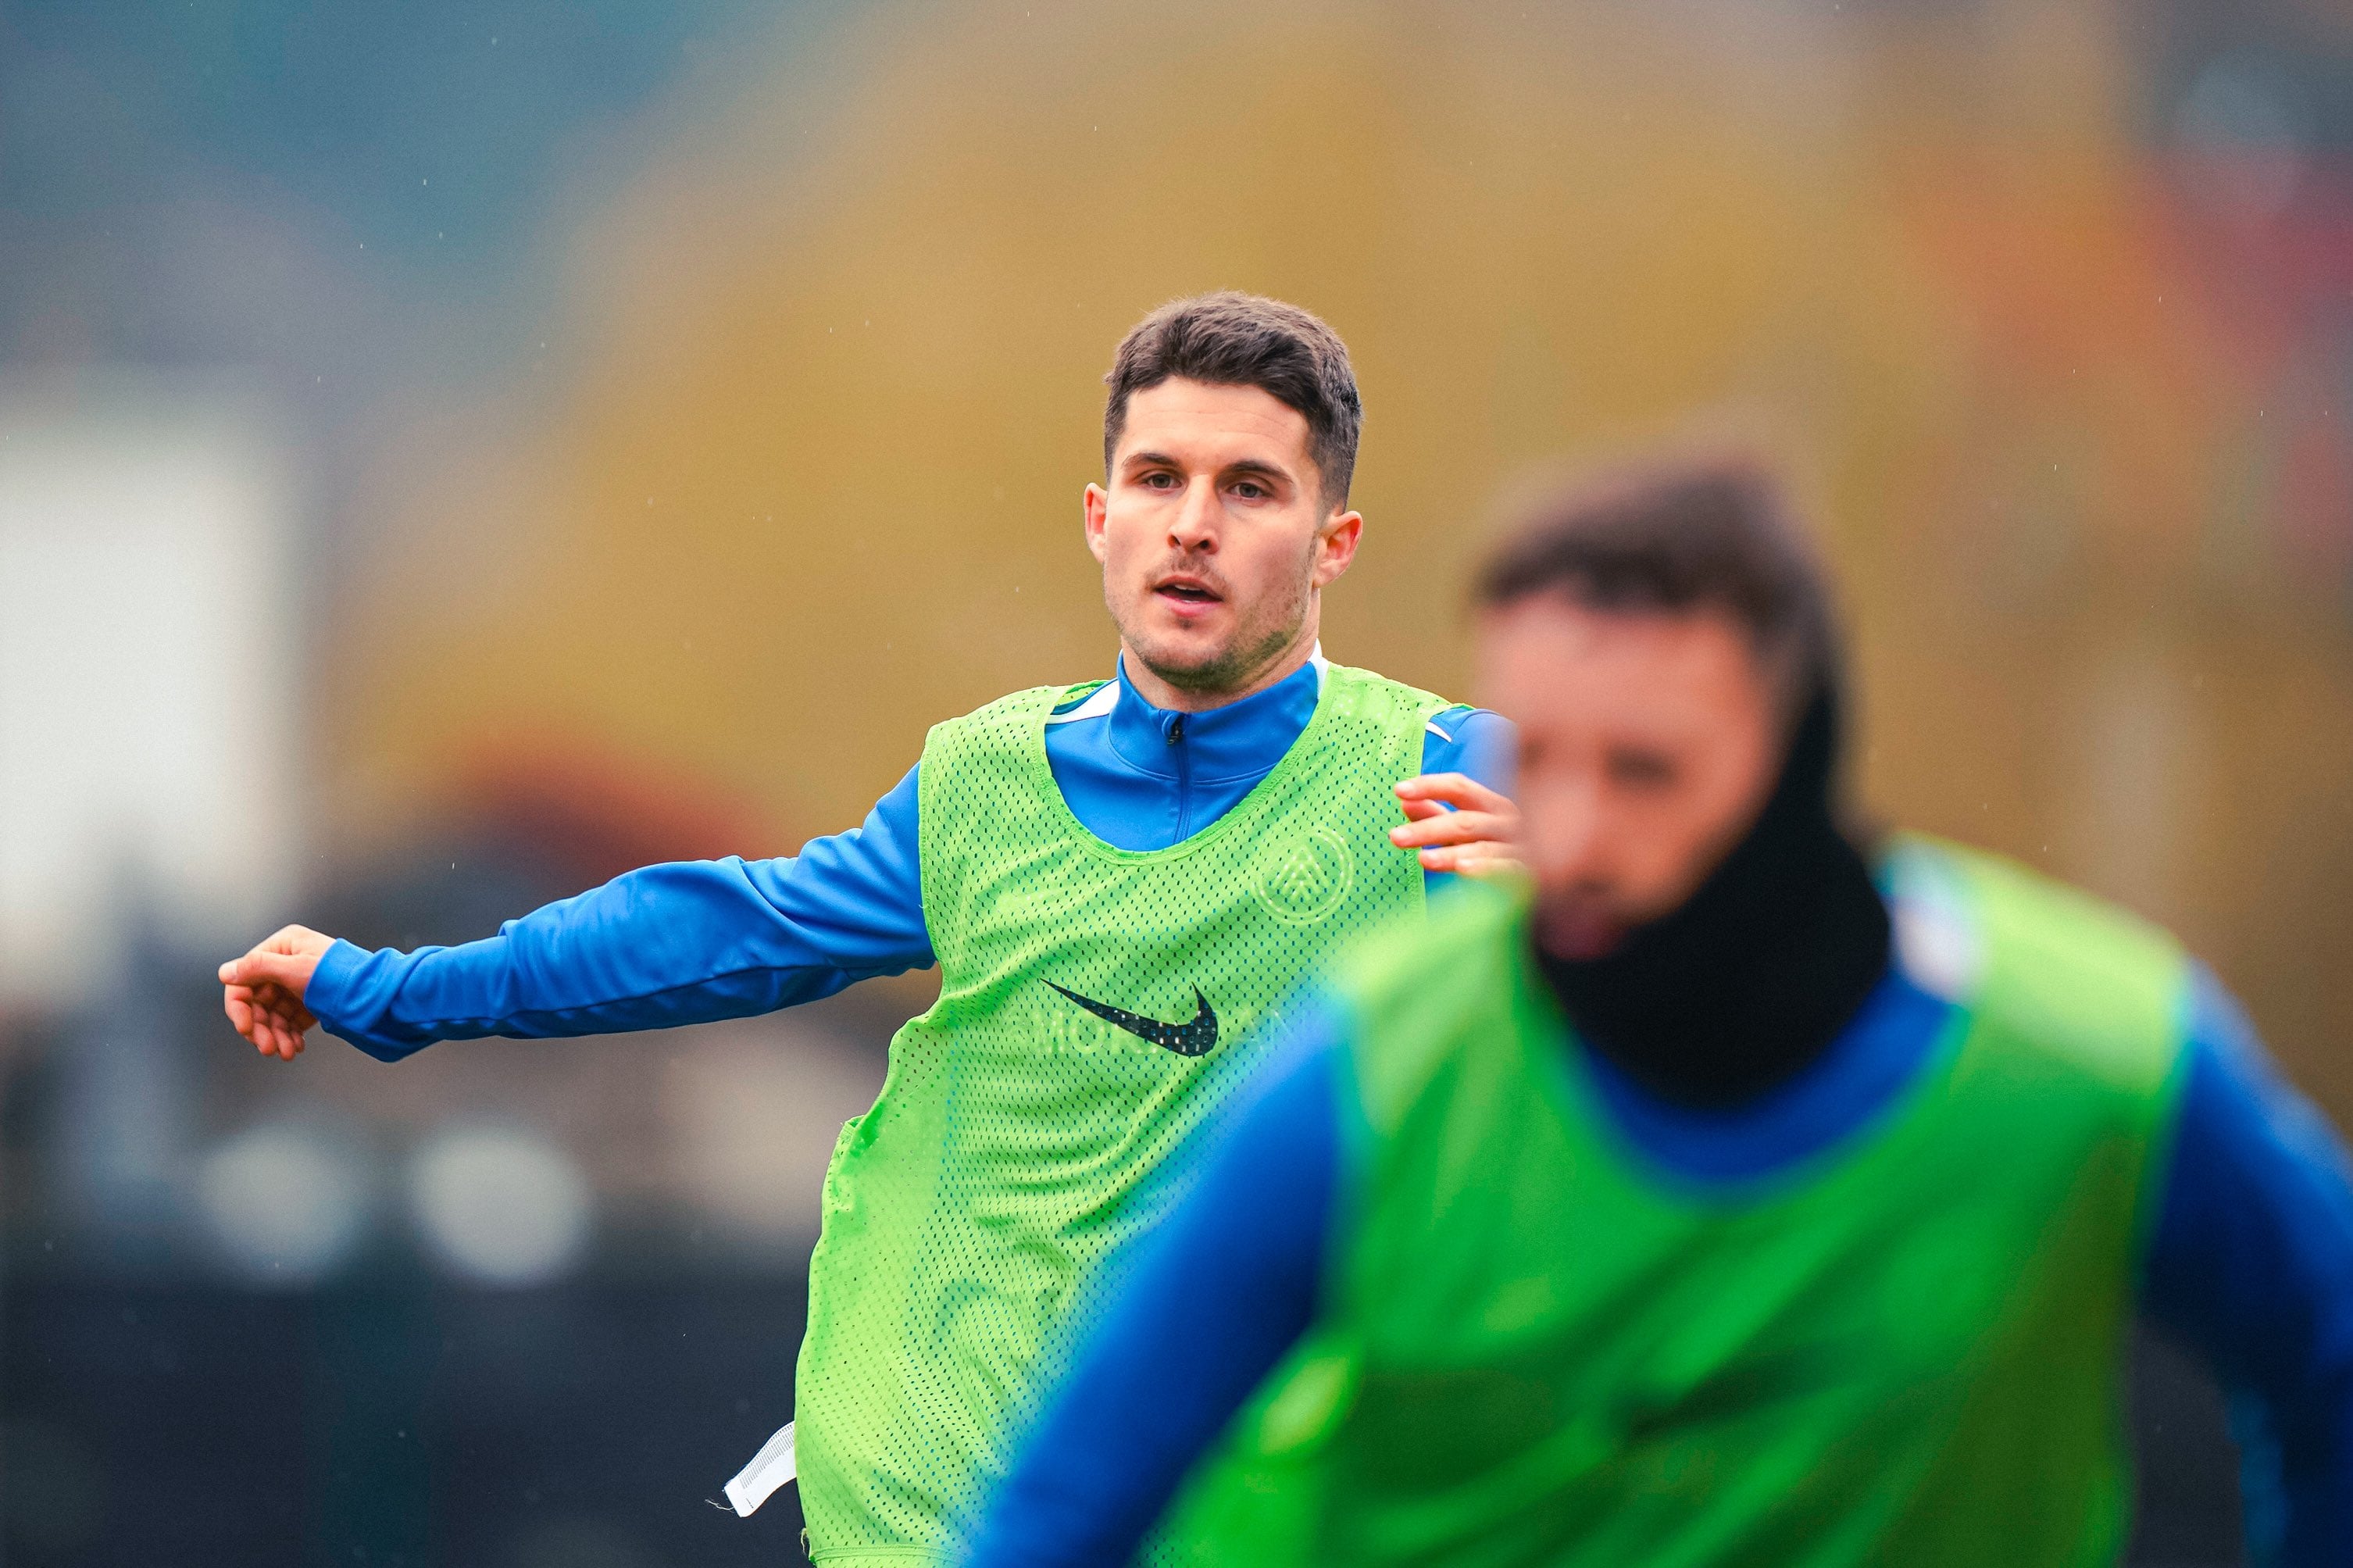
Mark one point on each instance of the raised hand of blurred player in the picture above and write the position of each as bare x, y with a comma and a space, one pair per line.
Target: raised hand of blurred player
262, 993
1479, 837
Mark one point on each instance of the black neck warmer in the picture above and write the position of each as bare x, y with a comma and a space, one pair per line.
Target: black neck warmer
1746, 984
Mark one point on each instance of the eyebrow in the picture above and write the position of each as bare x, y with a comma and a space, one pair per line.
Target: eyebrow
1262, 467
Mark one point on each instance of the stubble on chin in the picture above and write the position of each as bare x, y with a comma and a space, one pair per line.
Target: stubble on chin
1225, 667
1229, 665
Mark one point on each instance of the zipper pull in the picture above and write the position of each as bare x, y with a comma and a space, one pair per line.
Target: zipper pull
1176, 730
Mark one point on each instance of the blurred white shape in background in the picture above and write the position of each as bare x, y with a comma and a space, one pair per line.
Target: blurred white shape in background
752, 1115
499, 1206
150, 632
1935, 936
288, 1201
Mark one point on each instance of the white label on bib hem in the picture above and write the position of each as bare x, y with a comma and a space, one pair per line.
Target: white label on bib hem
771, 1467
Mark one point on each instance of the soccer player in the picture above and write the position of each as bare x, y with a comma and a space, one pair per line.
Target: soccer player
1725, 1197
1121, 881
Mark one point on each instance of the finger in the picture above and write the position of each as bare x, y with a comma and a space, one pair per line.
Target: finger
1455, 789
259, 968
1451, 828
289, 1021
1416, 810
259, 1023
283, 1005
293, 941
1483, 858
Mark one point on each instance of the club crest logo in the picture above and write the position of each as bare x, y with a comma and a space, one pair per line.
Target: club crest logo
1304, 879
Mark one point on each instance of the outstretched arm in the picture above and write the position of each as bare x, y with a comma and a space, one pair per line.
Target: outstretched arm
1218, 1297
2252, 1265
683, 943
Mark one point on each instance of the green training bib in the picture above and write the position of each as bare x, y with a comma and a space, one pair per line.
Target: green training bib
1095, 1005
1544, 1349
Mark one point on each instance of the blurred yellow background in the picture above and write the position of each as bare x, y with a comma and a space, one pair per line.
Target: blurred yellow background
803, 476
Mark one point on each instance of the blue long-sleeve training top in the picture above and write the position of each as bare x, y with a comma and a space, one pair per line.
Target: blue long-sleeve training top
693, 941
2250, 1263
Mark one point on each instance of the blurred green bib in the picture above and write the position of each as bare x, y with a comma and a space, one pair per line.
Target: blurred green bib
1094, 1006
1541, 1349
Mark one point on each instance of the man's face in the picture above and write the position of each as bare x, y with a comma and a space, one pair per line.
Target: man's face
1647, 743
1214, 535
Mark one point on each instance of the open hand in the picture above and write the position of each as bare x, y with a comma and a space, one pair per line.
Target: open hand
262, 993
1478, 837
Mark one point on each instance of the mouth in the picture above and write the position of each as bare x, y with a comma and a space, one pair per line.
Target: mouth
1187, 594
1576, 930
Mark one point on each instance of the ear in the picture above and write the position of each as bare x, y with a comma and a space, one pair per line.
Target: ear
1097, 506
1335, 546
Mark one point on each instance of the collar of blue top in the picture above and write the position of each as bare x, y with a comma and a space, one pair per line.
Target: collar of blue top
1238, 740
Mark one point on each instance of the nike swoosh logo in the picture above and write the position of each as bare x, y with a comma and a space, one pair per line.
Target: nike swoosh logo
1198, 1038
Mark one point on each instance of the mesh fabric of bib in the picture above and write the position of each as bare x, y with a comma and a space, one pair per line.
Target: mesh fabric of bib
1903, 1349
1095, 1003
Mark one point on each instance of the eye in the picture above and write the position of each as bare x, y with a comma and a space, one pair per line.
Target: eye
1251, 490
1159, 479
1643, 770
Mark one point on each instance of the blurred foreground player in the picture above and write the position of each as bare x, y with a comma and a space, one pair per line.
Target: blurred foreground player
1120, 882
1716, 1202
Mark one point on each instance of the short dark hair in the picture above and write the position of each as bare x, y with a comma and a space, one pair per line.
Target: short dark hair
1675, 538
1231, 339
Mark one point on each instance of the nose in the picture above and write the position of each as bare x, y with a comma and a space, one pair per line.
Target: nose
1566, 847
1194, 528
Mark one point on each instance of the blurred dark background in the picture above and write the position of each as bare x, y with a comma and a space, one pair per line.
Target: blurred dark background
450, 454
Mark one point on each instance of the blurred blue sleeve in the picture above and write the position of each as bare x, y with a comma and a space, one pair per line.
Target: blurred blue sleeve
1472, 742
2251, 1265
1469, 741
1218, 1297
682, 943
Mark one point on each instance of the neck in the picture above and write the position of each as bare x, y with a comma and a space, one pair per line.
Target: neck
1163, 693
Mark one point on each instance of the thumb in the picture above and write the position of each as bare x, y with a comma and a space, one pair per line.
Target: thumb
262, 968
